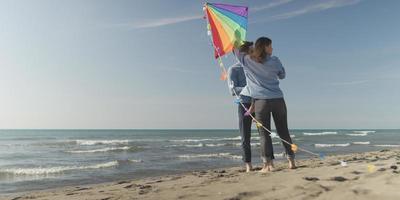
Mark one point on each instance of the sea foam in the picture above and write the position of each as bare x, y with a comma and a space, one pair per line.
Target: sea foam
331, 145
360, 143
364, 132
208, 139
357, 134
101, 150
214, 155
100, 142
55, 170
320, 133
387, 145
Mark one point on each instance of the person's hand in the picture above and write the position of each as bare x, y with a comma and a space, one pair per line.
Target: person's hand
251, 109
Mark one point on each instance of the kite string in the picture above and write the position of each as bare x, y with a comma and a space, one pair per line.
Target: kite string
259, 125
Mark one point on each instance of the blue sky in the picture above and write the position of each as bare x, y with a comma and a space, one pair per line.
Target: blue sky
148, 64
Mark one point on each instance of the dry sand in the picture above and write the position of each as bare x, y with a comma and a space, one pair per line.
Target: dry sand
371, 175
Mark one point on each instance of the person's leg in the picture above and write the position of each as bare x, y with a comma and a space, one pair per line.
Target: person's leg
279, 113
245, 133
263, 115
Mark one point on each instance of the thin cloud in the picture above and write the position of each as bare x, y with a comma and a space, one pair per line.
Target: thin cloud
270, 5
325, 5
160, 22
175, 20
349, 83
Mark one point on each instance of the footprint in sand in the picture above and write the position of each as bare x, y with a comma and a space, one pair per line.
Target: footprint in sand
311, 178
361, 191
339, 178
381, 170
242, 195
80, 189
130, 186
122, 182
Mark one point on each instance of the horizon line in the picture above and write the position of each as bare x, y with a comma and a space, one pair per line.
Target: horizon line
5, 129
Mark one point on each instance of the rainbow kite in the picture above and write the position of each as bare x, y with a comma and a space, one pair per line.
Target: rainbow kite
228, 26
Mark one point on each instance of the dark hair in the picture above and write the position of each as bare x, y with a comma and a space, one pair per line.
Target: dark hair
246, 47
258, 53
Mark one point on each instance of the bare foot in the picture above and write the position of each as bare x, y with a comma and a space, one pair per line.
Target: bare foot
268, 167
264, 170
249, 168
292, 164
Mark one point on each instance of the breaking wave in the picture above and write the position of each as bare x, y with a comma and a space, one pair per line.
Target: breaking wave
387, 145
357, 134
320, 133
206, 139
214, 155
54, 170
101, 150
100, 142
366, 132
331, 145
365, 143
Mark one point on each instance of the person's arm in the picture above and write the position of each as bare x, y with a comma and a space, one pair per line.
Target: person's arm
233, 82
282, 72
250, 111
238, 55
238, 90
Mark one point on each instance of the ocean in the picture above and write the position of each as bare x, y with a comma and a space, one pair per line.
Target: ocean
43, 159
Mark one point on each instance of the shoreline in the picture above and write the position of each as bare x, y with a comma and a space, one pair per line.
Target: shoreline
363, 176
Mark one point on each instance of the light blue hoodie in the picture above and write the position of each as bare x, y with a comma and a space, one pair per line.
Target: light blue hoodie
262, 78
237, 81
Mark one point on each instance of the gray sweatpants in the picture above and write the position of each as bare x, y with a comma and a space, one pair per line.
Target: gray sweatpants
245, 132
263, 110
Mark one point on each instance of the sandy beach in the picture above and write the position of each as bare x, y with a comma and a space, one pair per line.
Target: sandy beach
368, 175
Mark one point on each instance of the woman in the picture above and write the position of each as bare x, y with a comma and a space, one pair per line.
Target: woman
237, 81
262, 72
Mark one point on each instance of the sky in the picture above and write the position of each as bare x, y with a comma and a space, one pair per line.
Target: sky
148, 64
